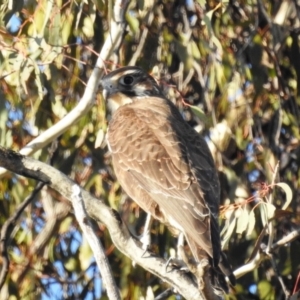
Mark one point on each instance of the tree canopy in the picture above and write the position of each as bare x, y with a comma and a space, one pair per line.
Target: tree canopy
233, 70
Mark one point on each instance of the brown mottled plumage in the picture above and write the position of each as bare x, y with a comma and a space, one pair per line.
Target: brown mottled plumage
162, 163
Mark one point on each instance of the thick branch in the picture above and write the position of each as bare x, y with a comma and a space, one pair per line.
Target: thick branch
102, 213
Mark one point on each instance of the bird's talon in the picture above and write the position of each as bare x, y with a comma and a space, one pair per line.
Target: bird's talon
168, 263
176, 264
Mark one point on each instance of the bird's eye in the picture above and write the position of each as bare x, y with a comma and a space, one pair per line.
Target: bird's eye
127, 80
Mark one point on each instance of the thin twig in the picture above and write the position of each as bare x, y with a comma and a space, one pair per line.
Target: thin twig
253, 264
286, 239
7, 229
271, 224
256, 260
95, 244
285, 290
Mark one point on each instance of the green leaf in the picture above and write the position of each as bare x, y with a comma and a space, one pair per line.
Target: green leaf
88, 27
251, 223
55, 31
218, 44
71, 264
16, 257
265, 290
6, 138
202, 3
38, 81
200, 114
100, 139
195, 50
133, 23
242, 221
240, 139
288, 193
65, 225
85, 254
229, 232
267, 212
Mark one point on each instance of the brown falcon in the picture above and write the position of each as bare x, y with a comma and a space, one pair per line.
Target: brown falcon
162, 163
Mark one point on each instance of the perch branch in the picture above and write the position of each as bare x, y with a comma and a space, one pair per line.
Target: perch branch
96, 209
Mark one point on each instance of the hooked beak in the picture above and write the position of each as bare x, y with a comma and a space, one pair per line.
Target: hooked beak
104, 94
103, 89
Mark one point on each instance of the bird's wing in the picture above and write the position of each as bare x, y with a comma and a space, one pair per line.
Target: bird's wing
154, 147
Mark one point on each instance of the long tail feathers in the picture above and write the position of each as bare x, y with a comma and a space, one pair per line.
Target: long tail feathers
218, 272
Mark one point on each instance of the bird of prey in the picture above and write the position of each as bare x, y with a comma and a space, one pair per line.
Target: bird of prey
162, 163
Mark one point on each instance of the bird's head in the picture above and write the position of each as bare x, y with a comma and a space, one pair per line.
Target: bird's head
128, 84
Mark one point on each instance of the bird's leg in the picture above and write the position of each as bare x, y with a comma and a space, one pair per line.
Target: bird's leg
181, 254
199, 269
180, 242
181, 258
146, 236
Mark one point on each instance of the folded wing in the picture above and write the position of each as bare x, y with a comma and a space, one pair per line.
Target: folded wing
166, 167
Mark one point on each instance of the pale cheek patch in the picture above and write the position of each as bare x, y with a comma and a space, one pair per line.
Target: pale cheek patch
117, 100
141, 88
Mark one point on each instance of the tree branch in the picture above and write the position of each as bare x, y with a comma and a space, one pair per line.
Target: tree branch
87, 100
96, 209
7, 229
95, 244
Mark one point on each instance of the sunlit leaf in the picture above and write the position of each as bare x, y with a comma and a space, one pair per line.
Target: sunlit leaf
218, 44
65, 225
265, 290
66, 27
200, 114
288, 193
88, 27
85, 254
133, 23
55, 32
71, 264
38, 81
16, 257
267, 212
99, 139
242, 221
229, 233
202, 3
251, 223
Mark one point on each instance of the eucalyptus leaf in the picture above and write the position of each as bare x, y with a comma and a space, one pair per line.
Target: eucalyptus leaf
242, 221
288, 193
251, 223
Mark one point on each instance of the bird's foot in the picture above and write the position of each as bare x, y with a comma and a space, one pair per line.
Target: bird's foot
145, 239
176, 263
